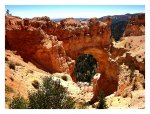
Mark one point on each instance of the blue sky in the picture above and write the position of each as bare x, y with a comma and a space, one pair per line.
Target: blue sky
76, 11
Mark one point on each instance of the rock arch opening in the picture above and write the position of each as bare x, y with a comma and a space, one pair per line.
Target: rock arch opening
109, 70
85, 68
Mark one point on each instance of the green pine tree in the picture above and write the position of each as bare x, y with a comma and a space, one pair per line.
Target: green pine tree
102, 101
7, 12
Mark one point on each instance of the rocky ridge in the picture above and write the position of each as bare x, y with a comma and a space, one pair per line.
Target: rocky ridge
135, 26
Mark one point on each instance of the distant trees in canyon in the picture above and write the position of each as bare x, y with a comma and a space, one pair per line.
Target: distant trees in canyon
85, 68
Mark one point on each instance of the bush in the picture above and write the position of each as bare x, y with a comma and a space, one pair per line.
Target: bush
18, 103
51, 96
102, 101
85, 68
9, 89
6, 99
35, 84
12, 65
7, 12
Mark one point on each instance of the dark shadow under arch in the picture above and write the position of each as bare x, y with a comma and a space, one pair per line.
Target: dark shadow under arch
85, 68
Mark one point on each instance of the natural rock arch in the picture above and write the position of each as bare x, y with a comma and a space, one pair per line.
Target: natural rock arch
54, 51
108, 82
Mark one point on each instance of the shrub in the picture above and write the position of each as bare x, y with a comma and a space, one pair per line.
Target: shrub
6, 59
85, 68
102, 101
51, 96
12, 65
9, 89
35, 84
18, 103
6, 99
7, 12
83, 105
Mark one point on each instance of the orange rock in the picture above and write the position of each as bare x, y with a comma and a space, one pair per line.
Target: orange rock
108, 81
135, 26
34, 45
45, 51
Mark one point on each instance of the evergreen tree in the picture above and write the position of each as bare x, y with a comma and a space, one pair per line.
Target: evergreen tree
19, 103
51, 95
7, 12
85, 68
102, 101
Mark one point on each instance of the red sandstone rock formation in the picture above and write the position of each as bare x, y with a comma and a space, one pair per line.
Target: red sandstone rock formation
34, 40
51, 46
34, 45
136, 26
108, 81
129, 80
131, 58
130, 51
78, 36
48, 53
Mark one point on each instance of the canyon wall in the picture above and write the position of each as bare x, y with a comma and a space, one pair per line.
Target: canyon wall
34, 45
77, 35
135, 26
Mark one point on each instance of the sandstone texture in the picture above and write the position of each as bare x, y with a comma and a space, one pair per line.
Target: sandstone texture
40, 47
131, 58
135, 26
137, 101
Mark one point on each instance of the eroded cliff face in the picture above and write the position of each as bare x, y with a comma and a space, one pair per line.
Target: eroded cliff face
132, 64
76, 35
131, 51
87, 34
34, 45
135, 26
